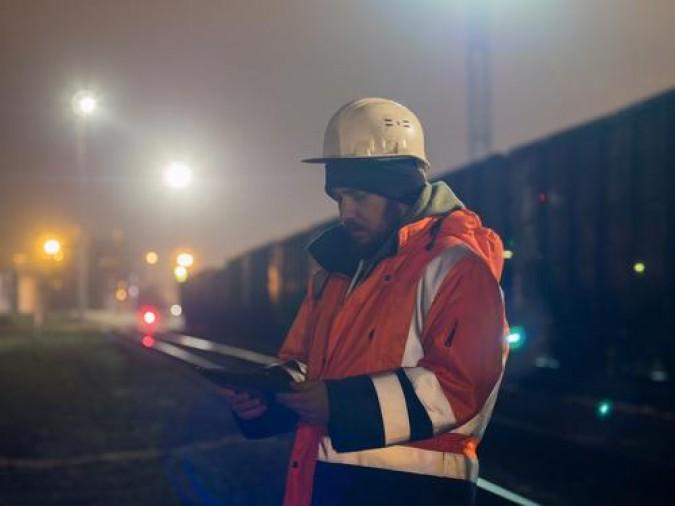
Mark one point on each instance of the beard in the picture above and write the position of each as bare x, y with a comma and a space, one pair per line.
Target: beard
367, 248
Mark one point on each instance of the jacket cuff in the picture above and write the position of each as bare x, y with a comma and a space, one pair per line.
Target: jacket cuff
355, 419
373, 411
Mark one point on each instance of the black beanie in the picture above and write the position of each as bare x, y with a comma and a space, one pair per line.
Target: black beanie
399, 179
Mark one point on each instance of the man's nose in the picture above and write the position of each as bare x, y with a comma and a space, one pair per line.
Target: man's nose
347, 211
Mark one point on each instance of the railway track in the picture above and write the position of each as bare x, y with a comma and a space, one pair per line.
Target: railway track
201, 352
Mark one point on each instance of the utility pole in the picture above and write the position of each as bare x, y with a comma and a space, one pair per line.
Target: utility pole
479, 117
84, 105
83, 238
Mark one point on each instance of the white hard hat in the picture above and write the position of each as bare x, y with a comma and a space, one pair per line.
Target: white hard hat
373, 128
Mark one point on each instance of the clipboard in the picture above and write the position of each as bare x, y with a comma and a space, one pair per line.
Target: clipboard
266, 381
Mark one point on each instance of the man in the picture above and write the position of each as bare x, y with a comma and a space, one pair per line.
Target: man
397, 351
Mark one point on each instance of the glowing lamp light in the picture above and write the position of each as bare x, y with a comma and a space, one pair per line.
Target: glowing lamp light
151, 257
516, 338
52, 247
604, 408
177, 175
84, 103
121, 295
180, 273
176, 310
508, 254
148, 341
639, 267
185, 259
149, 317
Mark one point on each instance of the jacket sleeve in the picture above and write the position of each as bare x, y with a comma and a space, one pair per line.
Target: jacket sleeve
461, 345
278, 419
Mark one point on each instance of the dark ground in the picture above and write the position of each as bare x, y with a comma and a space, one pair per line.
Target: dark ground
90, 420
94, 419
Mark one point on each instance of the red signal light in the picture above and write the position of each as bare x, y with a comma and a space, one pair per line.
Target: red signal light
149, 317
148, 341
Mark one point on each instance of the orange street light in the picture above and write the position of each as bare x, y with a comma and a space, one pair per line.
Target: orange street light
151, 257
185, 259
51, 247
181, 273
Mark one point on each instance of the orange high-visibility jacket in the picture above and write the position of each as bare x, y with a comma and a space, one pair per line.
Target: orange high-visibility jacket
412, 357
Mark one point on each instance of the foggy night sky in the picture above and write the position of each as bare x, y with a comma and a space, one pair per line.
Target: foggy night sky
242, 90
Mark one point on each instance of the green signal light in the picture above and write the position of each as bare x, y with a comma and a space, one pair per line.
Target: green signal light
604, 409
516, 338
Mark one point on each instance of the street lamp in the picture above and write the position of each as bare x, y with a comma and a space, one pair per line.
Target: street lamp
185, 259
180, 273
51, 247
85, 104
177, 175
151, 257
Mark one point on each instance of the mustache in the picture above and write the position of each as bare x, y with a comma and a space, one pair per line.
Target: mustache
351, 227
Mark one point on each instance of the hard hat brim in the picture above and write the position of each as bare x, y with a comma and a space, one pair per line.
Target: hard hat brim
326, 159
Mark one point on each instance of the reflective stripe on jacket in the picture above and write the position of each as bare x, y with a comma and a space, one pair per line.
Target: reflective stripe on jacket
412, 357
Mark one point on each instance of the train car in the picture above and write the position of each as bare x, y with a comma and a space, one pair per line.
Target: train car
588, 221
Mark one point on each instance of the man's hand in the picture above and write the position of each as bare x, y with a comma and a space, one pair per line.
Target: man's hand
245, 405
309, 400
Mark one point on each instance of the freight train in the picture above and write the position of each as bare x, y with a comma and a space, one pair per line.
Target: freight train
588, 221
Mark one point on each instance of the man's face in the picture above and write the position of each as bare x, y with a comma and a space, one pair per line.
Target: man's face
368, 218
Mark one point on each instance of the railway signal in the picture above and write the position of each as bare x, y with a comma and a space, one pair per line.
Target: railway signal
149, 319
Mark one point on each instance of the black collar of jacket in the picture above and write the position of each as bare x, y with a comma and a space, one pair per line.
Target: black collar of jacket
332, 251
332, 248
